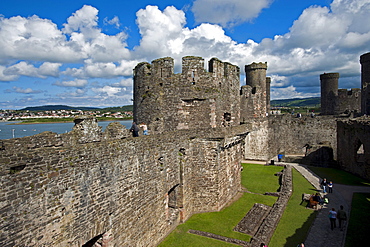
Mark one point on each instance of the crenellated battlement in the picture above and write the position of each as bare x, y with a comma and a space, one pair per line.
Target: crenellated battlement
336, 101
194, 96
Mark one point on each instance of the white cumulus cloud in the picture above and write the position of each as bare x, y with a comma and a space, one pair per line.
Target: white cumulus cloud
79, 83
228, 13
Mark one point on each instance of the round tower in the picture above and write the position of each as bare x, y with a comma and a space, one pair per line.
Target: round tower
329, 92
365, 83
255, 75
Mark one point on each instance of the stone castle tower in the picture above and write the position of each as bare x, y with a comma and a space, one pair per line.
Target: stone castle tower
196, 98
365, 83
255, 95
335, 101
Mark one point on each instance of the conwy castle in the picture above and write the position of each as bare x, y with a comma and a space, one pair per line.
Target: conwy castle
75, 188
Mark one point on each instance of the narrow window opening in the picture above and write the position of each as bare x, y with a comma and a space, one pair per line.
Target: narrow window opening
360, 153
360, 150
227, 116
254, 90
173, 197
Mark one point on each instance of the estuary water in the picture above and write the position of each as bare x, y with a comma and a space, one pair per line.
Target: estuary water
10, 130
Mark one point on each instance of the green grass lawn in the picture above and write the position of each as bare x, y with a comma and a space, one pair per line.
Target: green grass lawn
260, 179
358, 226
297, 219
223, 222
339, 176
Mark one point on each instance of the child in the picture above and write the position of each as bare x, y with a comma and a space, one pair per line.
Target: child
330, 187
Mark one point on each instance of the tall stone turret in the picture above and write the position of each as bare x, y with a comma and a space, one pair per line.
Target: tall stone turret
253, 94
149, 83
365, 83
329, 93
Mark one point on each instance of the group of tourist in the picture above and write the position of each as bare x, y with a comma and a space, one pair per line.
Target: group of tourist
341, 215
325, 184
334, 215
135, 129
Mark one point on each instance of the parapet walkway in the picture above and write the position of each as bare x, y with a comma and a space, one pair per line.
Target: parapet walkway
320, 234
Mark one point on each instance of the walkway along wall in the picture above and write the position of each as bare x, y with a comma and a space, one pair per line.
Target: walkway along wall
63, 190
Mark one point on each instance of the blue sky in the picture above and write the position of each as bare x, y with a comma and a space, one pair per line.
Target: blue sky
81, 53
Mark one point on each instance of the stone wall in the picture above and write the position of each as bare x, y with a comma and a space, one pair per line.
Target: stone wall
64, 190
354, 146
289, 135
349, 101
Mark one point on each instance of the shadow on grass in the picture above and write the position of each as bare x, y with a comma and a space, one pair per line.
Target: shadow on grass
339, 176
296, 238
358, 231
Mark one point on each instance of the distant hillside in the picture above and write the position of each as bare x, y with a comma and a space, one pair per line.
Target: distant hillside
305, 102
65, 107
118, 108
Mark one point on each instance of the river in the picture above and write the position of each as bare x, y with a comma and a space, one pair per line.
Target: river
10, 130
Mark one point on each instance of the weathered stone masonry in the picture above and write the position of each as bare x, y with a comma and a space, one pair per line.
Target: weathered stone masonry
192, 99
59, 192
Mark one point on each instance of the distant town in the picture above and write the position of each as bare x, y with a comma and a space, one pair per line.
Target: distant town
21, 115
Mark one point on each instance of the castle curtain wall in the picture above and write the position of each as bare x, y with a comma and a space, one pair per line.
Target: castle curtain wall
289, 135
137, 189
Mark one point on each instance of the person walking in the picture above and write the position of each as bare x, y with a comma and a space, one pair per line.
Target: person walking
330, 187
342, 216
324, 183
333, 218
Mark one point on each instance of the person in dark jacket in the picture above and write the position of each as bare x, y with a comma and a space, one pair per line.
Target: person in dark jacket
324, 183
134, 129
